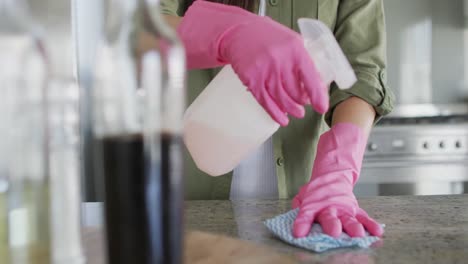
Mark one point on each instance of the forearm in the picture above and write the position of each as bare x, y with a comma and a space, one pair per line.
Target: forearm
172, 21
356, 111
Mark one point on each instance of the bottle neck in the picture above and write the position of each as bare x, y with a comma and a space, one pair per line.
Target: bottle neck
52, 23
49, 23
120, 8
152, 3
117, 14
154, 21
153, 8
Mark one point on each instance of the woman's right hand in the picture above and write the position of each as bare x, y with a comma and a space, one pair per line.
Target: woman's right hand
269, 58
272, 62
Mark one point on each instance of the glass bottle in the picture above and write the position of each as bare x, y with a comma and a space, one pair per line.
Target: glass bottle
138, 104
55, 16
23, 80
4, 148
43, 166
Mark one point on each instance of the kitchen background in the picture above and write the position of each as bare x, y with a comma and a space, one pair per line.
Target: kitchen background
422, 147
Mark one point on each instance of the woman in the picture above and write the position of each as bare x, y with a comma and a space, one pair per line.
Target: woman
271, 61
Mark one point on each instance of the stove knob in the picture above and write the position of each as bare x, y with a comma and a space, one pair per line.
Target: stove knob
458, 144
372, 146
442, 145
426, 145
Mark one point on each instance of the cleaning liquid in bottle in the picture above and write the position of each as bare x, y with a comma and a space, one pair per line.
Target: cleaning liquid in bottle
138, 104
225, 122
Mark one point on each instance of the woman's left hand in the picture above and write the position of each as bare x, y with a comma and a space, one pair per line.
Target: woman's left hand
328, 198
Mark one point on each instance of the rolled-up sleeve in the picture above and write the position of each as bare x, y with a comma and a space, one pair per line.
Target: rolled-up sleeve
169, 7
360, 30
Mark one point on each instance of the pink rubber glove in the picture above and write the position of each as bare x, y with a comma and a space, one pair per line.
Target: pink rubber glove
328, 198
269, 58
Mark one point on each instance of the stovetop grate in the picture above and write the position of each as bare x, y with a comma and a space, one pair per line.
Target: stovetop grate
449, 119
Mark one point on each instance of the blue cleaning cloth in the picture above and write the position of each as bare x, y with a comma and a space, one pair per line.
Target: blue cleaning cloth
317, 241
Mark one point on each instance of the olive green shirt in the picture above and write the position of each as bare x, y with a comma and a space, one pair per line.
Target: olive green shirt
359, 27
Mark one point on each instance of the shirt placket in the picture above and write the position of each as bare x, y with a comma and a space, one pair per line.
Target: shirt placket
303, 8
280, 10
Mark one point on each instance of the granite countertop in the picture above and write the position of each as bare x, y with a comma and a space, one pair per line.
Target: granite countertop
420, 229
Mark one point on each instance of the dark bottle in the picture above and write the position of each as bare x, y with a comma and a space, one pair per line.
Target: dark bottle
138, 104
144, 198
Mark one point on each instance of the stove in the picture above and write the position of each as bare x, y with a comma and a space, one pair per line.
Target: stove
426, 120
417, 155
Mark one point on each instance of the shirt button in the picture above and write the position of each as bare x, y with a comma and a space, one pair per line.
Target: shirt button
383, 77
280, 161
273, 2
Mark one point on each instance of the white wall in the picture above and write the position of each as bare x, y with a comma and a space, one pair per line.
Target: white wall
426, 50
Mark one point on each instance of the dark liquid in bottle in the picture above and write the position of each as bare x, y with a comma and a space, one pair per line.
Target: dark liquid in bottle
143, 200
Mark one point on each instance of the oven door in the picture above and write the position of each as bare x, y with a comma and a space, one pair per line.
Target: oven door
415, 160
413, 178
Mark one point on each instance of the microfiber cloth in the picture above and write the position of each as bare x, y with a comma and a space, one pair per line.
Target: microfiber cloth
317, 241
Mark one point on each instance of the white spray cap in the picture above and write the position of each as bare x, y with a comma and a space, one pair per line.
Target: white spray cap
326, 53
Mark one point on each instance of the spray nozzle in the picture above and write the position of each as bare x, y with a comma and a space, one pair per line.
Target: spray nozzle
326, 53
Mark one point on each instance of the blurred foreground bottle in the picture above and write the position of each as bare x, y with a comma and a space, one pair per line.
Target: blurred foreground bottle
138, 104
42, 135
23, 79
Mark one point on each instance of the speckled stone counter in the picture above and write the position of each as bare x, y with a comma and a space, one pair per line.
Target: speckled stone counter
420, 229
